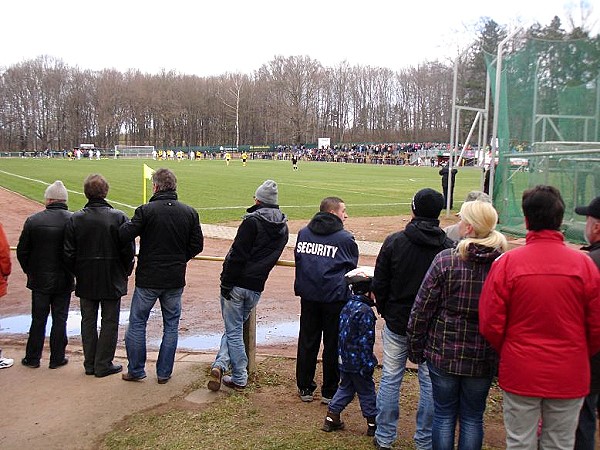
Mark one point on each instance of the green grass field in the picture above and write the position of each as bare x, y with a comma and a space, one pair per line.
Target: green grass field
222, 193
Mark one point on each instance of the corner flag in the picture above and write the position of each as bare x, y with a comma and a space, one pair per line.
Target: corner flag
148, 171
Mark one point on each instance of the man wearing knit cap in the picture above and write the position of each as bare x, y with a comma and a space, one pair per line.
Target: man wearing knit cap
401, 265
257, 246
39, 252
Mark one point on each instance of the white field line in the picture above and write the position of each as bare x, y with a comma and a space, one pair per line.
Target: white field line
214, 208
68, 190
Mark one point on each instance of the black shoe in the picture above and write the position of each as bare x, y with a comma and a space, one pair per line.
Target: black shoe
30, 363
56, 365
163, 380
89, 372
306, 395
128, 377
371, 426
115, 368
379, 447
227, 381
332, 422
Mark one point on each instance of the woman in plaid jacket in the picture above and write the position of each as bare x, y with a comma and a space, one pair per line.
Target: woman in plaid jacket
443, 328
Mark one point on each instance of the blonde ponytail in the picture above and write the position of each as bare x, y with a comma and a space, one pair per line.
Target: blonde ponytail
483, 218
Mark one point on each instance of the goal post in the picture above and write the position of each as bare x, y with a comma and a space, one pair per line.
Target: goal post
133, 151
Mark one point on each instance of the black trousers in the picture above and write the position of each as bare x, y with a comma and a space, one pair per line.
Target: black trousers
318, 320
99, 348
41, 306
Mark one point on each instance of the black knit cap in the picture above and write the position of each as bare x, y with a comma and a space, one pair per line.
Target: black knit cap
427, 203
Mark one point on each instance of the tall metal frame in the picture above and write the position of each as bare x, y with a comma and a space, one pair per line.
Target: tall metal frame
480, 122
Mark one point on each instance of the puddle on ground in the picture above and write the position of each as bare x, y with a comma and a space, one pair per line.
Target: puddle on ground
277, 333
21, 324
266, 334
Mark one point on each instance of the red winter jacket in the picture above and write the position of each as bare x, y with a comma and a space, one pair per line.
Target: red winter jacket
5, 263
540, 310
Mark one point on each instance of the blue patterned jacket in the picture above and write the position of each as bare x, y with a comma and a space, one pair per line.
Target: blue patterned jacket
357, 337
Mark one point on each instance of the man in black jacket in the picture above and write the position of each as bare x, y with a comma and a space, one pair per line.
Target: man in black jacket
101, 265
170, 235
445, 173
324, 253
260, 239
40, 254
401, 265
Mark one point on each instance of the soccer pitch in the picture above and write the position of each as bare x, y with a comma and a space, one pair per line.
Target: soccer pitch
221, 193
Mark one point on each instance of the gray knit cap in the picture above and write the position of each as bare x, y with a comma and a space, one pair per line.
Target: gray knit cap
267, 193
56, 191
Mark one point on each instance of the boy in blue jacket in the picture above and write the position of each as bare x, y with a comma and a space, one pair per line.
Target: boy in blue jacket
355, 353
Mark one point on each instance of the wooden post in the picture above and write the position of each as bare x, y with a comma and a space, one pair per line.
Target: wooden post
250, 340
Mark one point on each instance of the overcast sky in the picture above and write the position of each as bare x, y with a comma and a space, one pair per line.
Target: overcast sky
214, 37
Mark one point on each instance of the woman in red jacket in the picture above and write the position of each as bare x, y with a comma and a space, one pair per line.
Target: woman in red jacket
5, 268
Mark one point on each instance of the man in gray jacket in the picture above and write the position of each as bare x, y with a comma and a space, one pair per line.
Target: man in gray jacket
257, 246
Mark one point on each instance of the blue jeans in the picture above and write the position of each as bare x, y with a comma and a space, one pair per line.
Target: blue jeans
135, 338
395, 354
461, 398
232, 352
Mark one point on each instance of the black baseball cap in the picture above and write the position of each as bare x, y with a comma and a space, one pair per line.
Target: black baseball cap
593, 209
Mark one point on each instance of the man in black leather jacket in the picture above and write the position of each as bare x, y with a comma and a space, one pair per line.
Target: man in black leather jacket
101, 265
40, 254
170, 235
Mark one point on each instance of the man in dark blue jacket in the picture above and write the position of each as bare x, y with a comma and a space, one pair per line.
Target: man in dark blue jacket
170, 235
258, 244
324, 253
40, 254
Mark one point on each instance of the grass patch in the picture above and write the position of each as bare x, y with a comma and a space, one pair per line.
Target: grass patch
269, 415
222, 193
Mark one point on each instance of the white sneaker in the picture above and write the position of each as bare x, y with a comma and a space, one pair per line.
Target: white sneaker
5, 363
325, 400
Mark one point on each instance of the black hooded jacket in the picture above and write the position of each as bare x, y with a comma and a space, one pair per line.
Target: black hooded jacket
401, 265
258, 244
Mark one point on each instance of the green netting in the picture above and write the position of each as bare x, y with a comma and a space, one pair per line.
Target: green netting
548, 127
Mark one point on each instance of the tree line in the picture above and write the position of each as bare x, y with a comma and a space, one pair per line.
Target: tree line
45, 104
